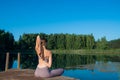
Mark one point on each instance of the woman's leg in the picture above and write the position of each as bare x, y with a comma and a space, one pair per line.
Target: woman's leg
42, 72
56, 72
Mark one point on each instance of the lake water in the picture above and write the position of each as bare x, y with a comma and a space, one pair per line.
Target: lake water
83, 67
98, 71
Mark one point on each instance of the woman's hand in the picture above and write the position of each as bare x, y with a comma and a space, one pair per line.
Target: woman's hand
38, 45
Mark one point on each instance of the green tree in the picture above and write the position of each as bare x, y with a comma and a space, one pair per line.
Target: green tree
52, 38
61, 41
68, 41
102, 44
114, 44
90, 41
6, 40
27, 41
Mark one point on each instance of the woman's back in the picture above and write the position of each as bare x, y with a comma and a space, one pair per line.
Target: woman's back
45, 60
47, 55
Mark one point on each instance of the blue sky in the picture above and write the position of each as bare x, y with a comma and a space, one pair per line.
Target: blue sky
99, 17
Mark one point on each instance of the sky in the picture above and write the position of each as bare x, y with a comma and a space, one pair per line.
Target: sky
98, 17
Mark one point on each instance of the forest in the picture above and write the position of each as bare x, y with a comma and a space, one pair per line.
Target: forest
56, 41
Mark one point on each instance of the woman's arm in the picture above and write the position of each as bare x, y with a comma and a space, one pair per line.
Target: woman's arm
50, 61
38, 45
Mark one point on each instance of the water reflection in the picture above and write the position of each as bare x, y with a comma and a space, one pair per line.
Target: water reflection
59, 60
67, 61
98, 71
84, 67
107, 67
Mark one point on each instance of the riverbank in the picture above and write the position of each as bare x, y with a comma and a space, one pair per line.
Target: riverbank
26, 74
89, 52
71, 51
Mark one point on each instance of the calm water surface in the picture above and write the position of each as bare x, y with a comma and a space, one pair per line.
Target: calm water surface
98, 71
83, 67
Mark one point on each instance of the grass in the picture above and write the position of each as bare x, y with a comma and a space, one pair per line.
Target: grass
89, 52
80, 51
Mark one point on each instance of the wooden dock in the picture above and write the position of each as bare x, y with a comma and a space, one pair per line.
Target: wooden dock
26, 74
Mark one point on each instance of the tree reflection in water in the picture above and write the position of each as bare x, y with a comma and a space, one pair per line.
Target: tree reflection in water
66, 61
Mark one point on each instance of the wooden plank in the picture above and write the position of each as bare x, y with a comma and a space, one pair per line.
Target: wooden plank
27, 74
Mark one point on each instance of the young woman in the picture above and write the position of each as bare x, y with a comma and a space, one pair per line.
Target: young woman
45, 60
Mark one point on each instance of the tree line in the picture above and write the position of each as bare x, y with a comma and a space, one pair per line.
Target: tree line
54, 41
114, 44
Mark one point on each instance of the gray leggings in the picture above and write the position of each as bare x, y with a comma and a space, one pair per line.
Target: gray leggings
45, 72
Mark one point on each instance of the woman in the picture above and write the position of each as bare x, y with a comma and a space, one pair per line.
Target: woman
45, 60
